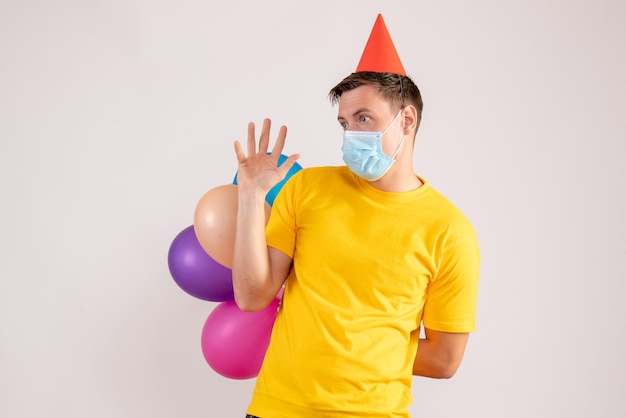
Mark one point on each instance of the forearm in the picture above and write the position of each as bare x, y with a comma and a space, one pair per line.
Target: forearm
257, 272
428, 363
439, 355
252, 279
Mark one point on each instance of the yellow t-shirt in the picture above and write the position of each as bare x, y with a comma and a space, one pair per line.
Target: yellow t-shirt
368, 267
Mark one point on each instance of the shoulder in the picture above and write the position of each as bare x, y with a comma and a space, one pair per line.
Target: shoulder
449, 217
312, 182
311, 176
323, 171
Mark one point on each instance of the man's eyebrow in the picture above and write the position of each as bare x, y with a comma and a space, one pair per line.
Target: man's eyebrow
356, 112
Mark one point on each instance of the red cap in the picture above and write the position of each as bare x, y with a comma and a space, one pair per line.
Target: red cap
380, 54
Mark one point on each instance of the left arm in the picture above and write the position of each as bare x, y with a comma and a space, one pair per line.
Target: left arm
439, 354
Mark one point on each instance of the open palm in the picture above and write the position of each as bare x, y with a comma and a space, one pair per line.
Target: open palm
258, 170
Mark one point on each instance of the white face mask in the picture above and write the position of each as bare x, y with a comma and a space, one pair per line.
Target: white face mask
363, 152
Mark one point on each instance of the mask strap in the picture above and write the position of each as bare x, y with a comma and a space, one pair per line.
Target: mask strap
399, 146
391, 124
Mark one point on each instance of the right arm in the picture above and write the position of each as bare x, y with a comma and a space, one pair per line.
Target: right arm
258, 271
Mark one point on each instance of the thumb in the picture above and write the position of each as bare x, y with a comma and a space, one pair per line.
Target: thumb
287, 164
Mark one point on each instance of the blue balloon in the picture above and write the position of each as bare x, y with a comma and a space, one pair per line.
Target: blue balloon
271, 195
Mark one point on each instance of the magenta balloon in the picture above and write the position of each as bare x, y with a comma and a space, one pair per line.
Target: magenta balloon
196, 272
234, 342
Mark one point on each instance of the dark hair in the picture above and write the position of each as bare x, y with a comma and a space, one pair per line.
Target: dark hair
397, 90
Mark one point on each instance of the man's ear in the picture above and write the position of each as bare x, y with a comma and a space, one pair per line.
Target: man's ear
411, 119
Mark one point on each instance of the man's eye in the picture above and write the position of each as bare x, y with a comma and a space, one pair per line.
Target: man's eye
344, 125
364, 119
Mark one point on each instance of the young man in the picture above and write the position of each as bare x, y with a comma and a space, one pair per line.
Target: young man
368, 252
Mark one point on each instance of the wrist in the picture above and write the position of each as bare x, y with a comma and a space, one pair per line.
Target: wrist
251, 195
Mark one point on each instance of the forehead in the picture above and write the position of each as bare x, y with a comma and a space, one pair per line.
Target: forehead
362, 97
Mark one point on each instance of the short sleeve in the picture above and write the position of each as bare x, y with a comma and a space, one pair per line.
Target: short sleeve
452, 293
280, 231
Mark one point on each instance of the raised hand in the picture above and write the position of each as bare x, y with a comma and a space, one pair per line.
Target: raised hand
258, 171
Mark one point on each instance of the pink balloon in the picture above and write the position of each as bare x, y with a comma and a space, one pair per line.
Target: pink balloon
234, 342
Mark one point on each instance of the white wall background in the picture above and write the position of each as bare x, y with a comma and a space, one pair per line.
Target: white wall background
116, 116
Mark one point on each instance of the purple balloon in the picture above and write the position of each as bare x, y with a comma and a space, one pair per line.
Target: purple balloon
196, 272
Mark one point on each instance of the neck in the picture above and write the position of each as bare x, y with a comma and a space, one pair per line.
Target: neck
397, 181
